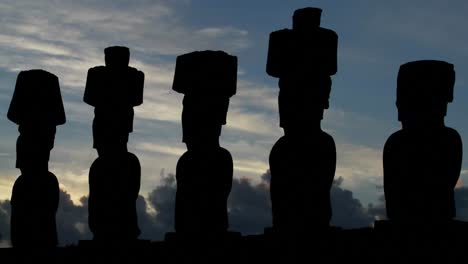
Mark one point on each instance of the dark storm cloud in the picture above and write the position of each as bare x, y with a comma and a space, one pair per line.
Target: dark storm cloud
162, 199
378, 210
348, 212
249, 206
72, 220
5, 210
249, 210
461, 203
147, 222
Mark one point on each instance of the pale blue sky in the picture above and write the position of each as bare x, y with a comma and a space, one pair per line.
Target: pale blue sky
375, 37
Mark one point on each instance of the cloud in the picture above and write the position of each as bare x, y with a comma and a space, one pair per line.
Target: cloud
5, 211
248, 206
162, 199
348, 212
355, 162
461, 203
160, 148
72, 220
67, 38
378, 210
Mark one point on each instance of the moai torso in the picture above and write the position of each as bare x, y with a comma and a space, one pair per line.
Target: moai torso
114, 177
204, 173
303, 161
204, 180
422, 161
114, 186
32, 220
421, 171
302, 175
37, 108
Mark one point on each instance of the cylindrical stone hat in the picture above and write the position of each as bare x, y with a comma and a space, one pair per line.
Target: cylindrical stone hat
305, 49
37, 100
110, 87
306, 18
206, 73
117, 56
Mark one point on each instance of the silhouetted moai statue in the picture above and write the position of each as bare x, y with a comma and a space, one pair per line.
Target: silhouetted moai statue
204, 173
114, 177
37, 108
422, 161
303, 161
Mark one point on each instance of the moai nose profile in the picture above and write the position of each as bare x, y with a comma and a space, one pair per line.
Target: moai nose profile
303, 161
204, 173
37, 108
422, 161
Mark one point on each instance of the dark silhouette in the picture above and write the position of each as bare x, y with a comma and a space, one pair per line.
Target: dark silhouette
422, 161
37, 108
204, 173
303, 161
114, 177
422, 164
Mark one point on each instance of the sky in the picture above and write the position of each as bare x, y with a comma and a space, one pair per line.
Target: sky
375, 37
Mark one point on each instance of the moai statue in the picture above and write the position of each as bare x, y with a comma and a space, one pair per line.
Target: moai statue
422, 161
303, 161
204, 173
37, 108
114, 177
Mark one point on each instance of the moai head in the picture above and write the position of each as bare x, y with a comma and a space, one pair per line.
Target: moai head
37, 108
207, 79
303, 58
300, 107
110, 143
33, 149
424, 88
37, 101
115, 85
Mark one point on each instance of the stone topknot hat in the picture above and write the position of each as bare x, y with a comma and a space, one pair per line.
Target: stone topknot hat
37, 99
307, 49
305, 18
117, 56
206, 73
